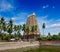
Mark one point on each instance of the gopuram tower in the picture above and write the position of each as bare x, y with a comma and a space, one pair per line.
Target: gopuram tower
32, 21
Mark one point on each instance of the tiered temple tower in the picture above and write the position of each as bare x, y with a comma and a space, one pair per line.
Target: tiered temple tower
32, 21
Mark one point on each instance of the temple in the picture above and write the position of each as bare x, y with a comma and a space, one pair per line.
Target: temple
32, 21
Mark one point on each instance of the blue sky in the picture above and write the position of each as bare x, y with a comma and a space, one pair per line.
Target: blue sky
47, 11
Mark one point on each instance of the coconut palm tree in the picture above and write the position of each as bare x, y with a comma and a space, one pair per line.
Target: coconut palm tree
19, 28
58, 36
15, 28
2, 20
36, 28
24, 28
10, 26
32, 29
4, 27
0, 26
27, 30
43, 26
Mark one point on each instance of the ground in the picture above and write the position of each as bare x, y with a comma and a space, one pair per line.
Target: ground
29, 46
14, 45
36, 49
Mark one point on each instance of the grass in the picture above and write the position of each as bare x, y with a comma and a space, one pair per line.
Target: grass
45, 49
36, 49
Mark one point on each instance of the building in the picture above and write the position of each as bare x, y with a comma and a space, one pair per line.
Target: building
32, 21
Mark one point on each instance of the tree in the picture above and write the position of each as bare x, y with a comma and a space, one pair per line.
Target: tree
10, 26
49, 37
4, 27
36, 28
54, 37
24, 28
5, 37
19, 28
19, 34
15, 29
2, 21
0, 28
39, 38
27, 30
58, 36
43, 26
32, 29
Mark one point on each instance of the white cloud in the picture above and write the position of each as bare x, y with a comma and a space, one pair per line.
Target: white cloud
20, 16
22, 23
54, 26
19, 23
13, 18
45, 6
5, 5
44, 16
